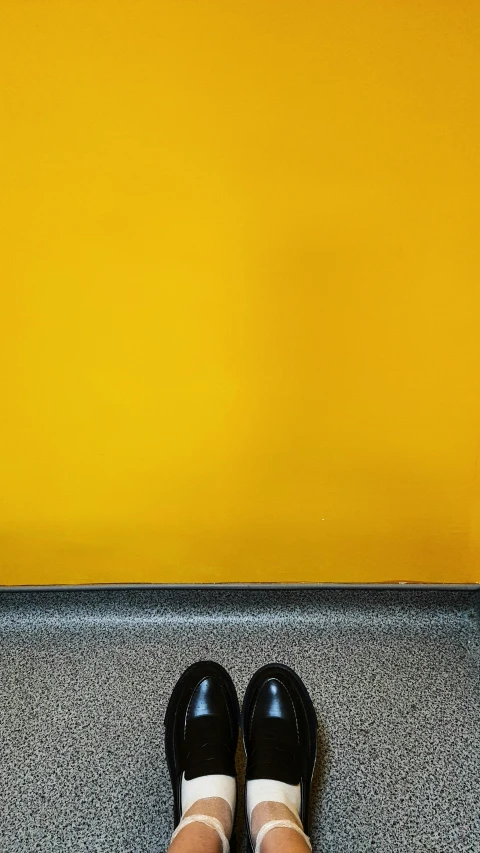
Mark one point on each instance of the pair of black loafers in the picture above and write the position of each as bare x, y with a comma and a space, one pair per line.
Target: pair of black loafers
278, 721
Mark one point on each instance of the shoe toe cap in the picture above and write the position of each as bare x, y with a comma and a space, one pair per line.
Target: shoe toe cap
208, 700
274, 702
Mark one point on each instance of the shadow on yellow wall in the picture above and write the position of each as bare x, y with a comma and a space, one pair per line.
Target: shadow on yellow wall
240, 292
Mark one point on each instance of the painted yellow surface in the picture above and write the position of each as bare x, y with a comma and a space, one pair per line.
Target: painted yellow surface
240, 291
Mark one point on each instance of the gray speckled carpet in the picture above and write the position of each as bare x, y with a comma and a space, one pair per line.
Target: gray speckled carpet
85, 677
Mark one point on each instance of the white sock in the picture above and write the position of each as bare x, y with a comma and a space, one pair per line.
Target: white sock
208, 820
217, 785
269, 790
277, 824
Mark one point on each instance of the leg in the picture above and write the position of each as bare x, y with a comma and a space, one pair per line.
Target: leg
198, 837
278, 840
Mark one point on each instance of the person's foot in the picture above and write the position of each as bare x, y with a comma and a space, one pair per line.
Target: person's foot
201, 734
279, 728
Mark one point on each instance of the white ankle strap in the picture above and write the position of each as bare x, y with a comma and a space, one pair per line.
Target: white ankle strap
279, 824
212, 822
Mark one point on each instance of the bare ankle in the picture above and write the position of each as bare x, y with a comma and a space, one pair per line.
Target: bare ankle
214, 807
199, 837
265, 812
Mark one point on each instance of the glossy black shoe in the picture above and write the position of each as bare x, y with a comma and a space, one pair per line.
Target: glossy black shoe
201, 727
279, 727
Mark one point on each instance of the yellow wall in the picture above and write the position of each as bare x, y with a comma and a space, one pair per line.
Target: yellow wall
240, 296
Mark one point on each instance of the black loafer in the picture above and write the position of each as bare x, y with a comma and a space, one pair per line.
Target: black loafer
201, 727
279, 727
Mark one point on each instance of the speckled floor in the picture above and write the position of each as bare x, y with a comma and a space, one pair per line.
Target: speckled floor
85, 678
